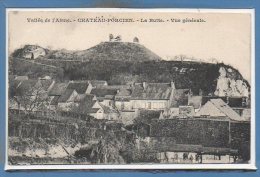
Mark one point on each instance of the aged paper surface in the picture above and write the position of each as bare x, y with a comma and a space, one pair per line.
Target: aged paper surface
130, 89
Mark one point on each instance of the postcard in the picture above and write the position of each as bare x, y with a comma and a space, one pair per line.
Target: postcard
130, 89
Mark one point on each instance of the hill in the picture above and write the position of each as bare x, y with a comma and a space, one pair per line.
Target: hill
124, 63
127, 51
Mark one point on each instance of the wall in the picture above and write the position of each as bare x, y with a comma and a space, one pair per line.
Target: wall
193, 131
124, 105
208, 133
127, 117
150, 104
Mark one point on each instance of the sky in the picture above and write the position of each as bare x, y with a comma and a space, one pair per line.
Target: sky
223, 36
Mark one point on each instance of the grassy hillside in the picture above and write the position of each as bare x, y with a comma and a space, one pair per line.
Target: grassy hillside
33, 70
108, 51
185, 74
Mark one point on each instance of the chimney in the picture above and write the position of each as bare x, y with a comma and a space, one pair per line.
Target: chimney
173, 85
144, 85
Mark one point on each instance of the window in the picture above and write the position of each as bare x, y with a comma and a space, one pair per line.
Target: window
149, 105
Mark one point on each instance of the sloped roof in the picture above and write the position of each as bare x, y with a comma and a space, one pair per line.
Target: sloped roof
58, 89
227, 110
80, 97
26, 87
12, 87
152, 91
118, 87
86, 104
55, 100
46, 84
66, 95
97, 83
107, 109
102, 92
124, 92
80, 87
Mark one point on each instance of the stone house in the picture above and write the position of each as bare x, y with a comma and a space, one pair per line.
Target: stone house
151, 96
218, 108
105, 95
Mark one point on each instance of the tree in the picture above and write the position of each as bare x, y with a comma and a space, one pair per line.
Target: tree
118, 38
31, 97
136, 40
111, 37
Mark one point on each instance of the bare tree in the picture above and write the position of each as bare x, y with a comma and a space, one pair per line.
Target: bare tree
32, 99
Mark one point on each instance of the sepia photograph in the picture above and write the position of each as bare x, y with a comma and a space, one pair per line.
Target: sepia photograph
130, 89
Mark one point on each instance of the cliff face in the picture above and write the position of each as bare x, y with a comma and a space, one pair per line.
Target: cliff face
227, 85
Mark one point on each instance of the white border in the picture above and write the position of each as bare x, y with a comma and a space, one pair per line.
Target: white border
250, 166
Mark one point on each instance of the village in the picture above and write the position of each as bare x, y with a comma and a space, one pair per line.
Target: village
177, 125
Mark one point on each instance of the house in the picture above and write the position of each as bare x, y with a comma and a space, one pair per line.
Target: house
218, 108
122, 99
100, 111
46, 84
67, 101
153, 96
91, 106
86, 104
105, 95
213, 135
55, 92
29, 95
81, 87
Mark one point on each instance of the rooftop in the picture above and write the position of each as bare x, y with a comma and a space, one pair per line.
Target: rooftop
58, 89
151, 91
80, 87
66, 95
